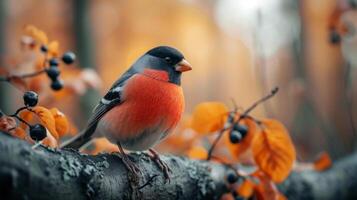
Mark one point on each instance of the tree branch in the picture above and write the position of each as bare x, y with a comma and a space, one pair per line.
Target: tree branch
45, 173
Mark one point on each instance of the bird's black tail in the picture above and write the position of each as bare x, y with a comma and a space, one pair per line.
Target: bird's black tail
79, 140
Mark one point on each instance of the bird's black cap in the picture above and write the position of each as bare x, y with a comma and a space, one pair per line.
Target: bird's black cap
166, 52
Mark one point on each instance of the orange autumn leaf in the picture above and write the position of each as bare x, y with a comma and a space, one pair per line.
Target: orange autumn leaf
19, 133
266, 189
238, 149
7, 123
246, 189
197, 152
273, 150
322, 162
38, 35
282, 197
46, 119
103, 145
72, 128
227, 196
209, 117
27, 116
61, 121
53, 48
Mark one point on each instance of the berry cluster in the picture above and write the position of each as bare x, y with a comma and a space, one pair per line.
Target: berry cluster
53, 71
237, 131
37, 131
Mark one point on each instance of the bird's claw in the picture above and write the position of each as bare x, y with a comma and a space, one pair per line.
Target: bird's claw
164, 167
131, 166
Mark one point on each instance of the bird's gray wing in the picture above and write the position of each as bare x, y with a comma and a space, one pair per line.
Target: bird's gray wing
111, 99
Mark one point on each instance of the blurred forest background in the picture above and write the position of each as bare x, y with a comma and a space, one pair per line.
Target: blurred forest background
238, 49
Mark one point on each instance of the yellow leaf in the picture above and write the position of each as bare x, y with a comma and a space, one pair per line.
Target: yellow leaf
47, 120
209, 117
274, 151
61, 121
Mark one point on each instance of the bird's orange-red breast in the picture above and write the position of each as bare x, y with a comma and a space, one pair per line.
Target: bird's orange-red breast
151, 108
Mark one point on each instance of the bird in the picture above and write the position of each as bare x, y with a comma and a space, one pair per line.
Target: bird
141, 108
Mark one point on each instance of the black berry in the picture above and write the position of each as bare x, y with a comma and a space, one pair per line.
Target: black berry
232, 177
53, 62
44, 48
241, 128
57, 85
53, 73
68, 57
37, 132
335, 38
30, 98
235, 136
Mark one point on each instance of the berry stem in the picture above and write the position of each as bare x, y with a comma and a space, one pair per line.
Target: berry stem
18, 111
21, 120
272, 93
29, 75
220, 134
244, 115
228, 165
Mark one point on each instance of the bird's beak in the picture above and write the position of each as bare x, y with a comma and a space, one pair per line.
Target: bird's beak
183, 66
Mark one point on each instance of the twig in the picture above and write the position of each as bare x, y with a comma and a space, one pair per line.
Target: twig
18, 111
210, 151
21, 120
29, 75
244, 115
272, 93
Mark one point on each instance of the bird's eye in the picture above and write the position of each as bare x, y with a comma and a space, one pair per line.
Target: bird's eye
168, 59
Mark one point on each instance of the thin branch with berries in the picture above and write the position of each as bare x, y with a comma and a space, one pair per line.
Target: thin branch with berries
239, 131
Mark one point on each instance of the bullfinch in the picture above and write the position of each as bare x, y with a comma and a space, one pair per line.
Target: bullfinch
142, 107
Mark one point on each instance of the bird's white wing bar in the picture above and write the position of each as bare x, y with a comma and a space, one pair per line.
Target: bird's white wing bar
112, 94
